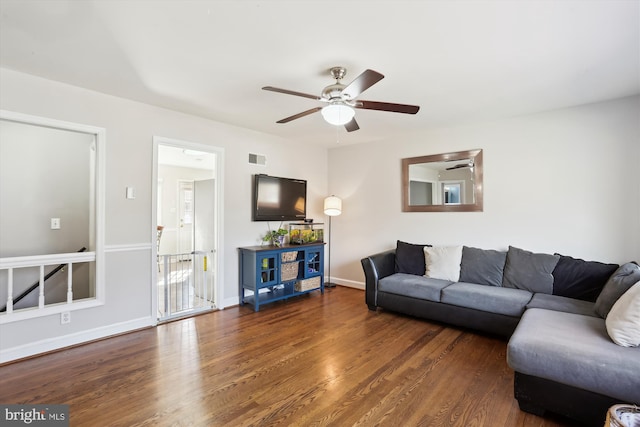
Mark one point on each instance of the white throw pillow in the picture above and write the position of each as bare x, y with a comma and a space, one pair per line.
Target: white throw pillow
623, 321
443, 262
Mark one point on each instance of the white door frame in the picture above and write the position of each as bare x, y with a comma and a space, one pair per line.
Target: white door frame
218, 264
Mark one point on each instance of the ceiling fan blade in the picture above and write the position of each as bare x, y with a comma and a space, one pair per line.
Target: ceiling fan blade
387, 106
352, 125
291, 92
297, 116
361, 83
457, 167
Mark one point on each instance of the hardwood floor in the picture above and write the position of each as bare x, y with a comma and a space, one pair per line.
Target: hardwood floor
311, 361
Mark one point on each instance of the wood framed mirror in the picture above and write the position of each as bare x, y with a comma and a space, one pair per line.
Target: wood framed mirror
448, 182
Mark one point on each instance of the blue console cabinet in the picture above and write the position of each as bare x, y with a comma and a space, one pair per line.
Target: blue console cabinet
272, 273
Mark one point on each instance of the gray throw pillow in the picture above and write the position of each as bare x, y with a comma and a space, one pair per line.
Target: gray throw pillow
530, 271
624, 278
482, 266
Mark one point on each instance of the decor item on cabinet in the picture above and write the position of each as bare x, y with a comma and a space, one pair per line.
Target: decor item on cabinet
301, 233
332, 207
276, 237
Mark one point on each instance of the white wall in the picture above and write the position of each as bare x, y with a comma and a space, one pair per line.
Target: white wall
563, 181
52, 167
130, 127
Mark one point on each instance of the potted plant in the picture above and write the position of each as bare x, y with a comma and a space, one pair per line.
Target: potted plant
276, 237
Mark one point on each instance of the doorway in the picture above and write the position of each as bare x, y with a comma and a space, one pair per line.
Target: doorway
185, 214
187, 227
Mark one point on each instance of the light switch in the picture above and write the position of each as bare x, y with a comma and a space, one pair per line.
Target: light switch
55, 223
131, 193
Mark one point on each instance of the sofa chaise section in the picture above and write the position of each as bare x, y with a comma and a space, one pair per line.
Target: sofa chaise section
566, 363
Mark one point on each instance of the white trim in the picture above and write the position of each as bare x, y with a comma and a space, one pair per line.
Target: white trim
57, 343
154, 229
50, 259
100, 139
349, 283
230, 302
47, 122
49, 309
133, 247
219, 225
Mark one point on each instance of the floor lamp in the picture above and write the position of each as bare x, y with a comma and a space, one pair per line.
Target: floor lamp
332, 207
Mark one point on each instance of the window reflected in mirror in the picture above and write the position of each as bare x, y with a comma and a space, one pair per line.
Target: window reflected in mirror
448, 182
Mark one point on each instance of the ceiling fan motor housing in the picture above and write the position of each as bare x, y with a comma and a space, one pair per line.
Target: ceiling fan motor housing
333, 92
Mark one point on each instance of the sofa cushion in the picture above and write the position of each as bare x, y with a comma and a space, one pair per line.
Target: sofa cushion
529, 271
558, 303
577, 278
619, 282
510, 302
410, 258
623, 320
443, 262
482, 266
574, 350
413, 286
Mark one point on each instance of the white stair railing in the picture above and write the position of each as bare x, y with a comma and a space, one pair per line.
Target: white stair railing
10, 264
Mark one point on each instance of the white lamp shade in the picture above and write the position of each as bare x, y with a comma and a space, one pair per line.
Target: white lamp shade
332, 206
338, 114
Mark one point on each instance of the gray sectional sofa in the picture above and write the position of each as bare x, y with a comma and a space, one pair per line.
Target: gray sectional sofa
552, 308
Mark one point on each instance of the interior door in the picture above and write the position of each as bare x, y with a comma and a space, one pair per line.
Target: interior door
204, 232
185, 217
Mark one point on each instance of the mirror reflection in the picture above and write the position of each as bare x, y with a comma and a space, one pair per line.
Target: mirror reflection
443, 182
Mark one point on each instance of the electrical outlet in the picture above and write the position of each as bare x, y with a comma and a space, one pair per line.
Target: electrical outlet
65, 317
55, 223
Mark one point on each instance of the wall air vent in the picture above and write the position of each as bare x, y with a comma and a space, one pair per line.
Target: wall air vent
257, 159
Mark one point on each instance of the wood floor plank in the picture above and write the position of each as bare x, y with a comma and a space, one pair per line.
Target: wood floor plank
317, 360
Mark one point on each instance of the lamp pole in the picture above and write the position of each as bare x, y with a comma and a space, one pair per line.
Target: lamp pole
330, 284
332, 207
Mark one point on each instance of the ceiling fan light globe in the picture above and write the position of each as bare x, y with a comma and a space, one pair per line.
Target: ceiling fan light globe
338, 114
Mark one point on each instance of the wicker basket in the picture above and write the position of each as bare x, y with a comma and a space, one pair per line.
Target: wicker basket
288, 271
307, 284
623, 416
289, 256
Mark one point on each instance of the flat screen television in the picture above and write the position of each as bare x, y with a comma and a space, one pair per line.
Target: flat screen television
279, 199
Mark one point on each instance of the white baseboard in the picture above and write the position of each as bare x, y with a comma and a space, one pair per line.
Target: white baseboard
230, 302
57, 343
349, 283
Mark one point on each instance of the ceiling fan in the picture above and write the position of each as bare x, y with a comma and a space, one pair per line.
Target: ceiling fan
468, 164
341, 100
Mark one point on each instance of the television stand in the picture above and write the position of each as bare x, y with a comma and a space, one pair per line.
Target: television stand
270, 273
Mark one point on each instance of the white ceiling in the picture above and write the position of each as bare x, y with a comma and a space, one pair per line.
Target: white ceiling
461, 61
178, 156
